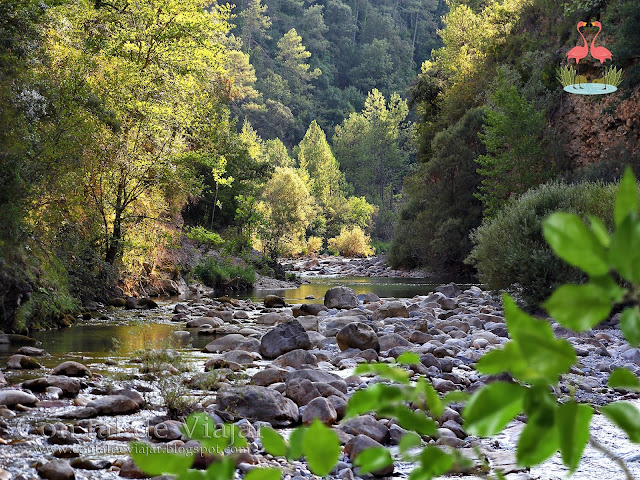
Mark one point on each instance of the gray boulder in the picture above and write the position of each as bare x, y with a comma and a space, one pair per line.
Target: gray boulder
357, 444
274, 301
234, 341
11, 398
25, 362
70, 386
366, 425
322, 409
296, 359
392, 310
258, 404
71, 369
56, 470
284, 338
340, 297
309, 309
357, 335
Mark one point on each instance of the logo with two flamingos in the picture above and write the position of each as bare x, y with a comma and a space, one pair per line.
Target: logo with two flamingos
573, 82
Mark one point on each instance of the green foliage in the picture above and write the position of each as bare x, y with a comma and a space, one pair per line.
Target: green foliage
203, 237
352, 243
566, 75
510, 249
613, 76
225, 275
286, 210
441, 209
374, 149
621, 18
516, 159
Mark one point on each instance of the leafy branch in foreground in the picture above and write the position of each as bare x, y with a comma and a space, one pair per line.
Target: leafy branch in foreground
533, 356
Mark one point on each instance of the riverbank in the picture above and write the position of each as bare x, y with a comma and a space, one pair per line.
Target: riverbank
330, 265
222, 355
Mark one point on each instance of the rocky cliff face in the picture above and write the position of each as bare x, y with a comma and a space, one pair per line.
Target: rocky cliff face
597, 128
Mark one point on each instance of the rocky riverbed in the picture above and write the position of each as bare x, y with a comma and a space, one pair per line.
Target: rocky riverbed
323, 265
280, 365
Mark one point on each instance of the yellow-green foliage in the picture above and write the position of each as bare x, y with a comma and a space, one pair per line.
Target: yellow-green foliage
613, 76
352, 243
314, 245
566, 75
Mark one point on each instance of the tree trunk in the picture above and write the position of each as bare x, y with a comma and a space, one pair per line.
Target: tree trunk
415, 31
113, 246
355, 30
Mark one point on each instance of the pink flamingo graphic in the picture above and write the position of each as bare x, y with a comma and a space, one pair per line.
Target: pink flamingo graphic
600, 53
579, 52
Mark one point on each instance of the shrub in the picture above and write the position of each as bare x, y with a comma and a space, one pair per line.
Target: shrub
352, 243
314, 245
511, 251
203, 237
225, 275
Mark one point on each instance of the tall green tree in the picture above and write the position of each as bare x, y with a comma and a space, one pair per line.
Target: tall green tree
157, 65
517, 158
375, 150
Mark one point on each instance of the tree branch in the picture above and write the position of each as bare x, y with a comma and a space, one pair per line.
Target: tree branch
612, 456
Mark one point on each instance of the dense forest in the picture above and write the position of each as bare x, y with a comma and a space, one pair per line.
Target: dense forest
133, 130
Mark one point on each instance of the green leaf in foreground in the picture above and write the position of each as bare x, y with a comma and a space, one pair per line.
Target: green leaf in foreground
264, 474
600, 230
579, 307
408, 441
372, 398
295, 443
572, 241
623, 378
624, 251
573, 431
223, 470
321, 447
272, 442
536, 444
627, 198
492, 407
408, 358
156, 462
538, 356
626, 416
373, 459
630, 325
435, 462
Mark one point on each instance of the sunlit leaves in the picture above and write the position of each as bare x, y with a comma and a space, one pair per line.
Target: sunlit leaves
373, 459
579, 307
627, 198
490, 409
575, 243
623, 378
626, 416
321, 448
155, 462
630, 325
272, 442
573, 430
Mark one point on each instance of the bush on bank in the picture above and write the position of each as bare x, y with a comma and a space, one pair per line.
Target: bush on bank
510, 251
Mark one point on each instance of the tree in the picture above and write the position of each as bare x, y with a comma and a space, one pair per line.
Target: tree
374, 149
255, 24
316, 158
292, 56
441, 210
157, 66
516, 158
277, 154
287, 209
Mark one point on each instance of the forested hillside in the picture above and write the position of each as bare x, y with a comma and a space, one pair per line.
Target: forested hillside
495, 123
135, 133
